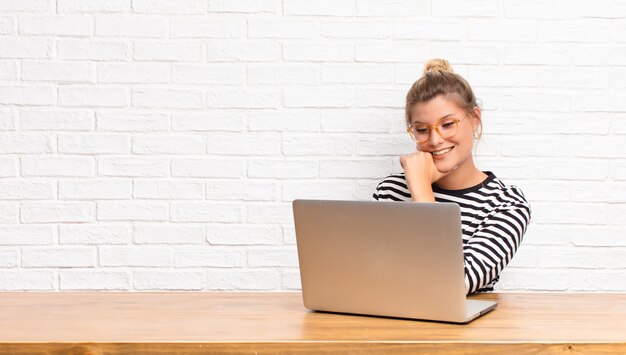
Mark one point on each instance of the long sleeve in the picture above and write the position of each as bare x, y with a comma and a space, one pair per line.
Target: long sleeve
494, 243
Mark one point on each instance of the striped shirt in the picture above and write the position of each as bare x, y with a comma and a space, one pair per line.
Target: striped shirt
494, 217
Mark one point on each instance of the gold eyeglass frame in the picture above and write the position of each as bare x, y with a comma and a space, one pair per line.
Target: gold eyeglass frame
435, 126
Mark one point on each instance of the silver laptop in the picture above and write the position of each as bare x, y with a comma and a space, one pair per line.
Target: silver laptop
393, 259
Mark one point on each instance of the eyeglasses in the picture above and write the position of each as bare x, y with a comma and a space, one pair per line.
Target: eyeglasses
447, 127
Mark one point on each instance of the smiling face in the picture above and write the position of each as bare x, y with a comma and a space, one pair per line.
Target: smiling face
431, 112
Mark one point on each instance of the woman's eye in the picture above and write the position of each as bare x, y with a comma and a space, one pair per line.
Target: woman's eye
421, 130
447, 124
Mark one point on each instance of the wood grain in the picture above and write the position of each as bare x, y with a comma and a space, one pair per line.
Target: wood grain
274, 322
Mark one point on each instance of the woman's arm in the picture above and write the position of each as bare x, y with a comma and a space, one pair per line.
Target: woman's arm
494, 243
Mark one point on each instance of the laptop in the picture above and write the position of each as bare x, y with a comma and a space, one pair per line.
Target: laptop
392, 259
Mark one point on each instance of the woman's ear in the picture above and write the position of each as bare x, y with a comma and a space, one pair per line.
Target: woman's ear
476, 118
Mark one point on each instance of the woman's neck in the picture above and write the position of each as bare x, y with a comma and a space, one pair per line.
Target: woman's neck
466, 175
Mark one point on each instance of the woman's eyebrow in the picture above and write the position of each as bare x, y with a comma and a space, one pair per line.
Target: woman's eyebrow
446, 116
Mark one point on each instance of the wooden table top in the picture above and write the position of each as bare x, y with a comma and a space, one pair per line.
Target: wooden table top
278, 321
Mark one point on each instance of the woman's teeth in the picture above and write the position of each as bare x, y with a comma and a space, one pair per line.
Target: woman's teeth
442, 152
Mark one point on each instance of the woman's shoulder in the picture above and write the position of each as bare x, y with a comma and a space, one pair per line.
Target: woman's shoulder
511, 194
392, 187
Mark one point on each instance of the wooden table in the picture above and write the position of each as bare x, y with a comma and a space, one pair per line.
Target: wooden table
247, 322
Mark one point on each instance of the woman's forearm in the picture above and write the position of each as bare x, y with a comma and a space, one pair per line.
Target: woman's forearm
422, 193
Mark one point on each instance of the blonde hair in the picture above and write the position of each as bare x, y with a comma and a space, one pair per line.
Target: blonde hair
439, 79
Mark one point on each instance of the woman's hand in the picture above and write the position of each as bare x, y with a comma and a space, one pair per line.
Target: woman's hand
420, 172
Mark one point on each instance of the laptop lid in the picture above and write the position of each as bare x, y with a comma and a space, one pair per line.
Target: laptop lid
382, 258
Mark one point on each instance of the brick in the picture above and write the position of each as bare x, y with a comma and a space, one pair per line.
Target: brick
207, 212
363, 121
283, 168
245, 6
357, 74
59, 25
100, 189
318, 189
138, 256
26, 6
25, 143
379, 98
58, 256
21, 235
133, 73
356, 29
282, 28
335, 168
58, 166
270, 212
27, 95
168, 7
168, 98
143, 26
201, 28
570, 213
318, 52
13, 189
319, 8
394, 52
168, 234
243, 51
169, 280
431, 29
20, 280
395, 145
94, 6
176, 51
133, 166
9, 258
317, 145
290, 121
92, 96
92, 49
285, 74
243, 279
600, 9
8, 167
522, 100
273, 257
228, 97
8, 71
168, 144
243, 234
243, 144
208, 74
132, 122
23, 48
58, 71
57, 119
467, 54
392, 8
556, 9
536, 54
55, 212
93, 143
208, 167
94, 234
94, 280
246, 190
132, 211
209, 257
474, 8
168, 189
318, 97
208, 120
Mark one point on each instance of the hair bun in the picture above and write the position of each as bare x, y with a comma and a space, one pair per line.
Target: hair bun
437, 64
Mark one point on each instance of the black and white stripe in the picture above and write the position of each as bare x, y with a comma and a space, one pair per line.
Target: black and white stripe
494, 217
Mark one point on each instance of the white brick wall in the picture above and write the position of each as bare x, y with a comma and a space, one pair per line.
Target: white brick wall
158, 144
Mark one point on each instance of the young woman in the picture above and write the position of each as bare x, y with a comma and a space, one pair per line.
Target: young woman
444, 120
